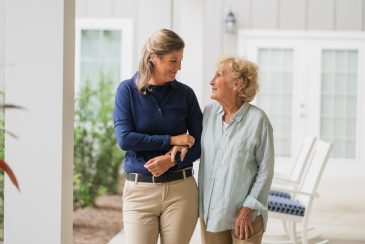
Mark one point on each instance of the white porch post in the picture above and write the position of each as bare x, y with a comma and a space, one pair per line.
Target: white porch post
39, 51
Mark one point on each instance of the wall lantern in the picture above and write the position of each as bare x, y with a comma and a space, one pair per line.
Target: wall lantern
230, 23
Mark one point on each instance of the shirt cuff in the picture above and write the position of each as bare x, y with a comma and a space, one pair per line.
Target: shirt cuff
166, 142
251, 202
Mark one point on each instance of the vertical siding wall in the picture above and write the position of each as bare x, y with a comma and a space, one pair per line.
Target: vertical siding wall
326, 15
184, 16
299, 14
148, 15
2, 44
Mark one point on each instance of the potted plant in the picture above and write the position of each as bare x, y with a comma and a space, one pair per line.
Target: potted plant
3, 165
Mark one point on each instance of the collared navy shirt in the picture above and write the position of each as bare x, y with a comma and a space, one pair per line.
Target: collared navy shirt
144, 123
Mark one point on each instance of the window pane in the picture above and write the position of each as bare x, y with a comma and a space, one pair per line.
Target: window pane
100, 55
338, 101
90, 44
111, 45
352, 61
275, 96
352, 83
340, 61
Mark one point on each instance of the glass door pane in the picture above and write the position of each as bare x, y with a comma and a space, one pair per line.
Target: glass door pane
339, 101
276, 92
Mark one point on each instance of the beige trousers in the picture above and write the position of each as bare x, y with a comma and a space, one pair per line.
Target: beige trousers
228, 237
166, 209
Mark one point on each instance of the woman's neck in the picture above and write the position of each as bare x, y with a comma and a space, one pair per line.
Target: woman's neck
230, 108
157, 81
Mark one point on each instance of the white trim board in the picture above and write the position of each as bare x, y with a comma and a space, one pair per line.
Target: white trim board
125, 25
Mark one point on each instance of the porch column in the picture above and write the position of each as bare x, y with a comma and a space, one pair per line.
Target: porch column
39, 53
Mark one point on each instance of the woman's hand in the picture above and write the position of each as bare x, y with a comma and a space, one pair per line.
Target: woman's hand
243, 225
159, 165
175, 149
182, 140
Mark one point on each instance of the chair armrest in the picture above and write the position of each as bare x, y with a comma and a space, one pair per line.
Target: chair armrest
289, 190
283, 181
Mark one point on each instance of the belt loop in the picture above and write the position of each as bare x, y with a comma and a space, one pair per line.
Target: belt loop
184, 174
136, 179
153, 179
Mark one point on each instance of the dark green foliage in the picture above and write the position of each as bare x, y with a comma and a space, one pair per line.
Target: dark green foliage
2, 146
97, 158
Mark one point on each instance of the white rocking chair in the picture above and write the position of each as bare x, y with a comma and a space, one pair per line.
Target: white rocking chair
294, 178
296, 208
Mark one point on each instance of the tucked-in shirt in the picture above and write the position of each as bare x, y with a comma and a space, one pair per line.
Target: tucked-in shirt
236, 165
144, 124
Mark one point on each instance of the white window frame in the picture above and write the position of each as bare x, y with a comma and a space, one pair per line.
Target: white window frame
126, 50
307, 46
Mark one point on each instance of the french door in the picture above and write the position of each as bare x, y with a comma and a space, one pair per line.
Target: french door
310, 84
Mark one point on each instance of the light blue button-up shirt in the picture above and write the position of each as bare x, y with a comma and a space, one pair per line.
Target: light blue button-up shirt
236, 165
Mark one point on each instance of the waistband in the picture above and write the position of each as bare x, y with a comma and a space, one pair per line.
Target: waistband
178, 175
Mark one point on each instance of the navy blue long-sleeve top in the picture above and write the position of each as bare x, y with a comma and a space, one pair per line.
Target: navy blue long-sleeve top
144, 123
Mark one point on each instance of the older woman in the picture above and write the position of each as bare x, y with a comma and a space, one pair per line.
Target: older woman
237, 160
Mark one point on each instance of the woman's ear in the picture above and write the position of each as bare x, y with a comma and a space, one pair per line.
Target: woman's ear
153, 57
237, 85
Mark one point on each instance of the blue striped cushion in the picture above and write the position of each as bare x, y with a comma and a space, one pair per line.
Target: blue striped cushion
285, 205
279, 193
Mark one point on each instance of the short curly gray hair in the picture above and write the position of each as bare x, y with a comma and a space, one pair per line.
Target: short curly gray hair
243, 70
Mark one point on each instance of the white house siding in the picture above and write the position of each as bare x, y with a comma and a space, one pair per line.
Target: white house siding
320, 15
2, 44
212, 47
94, 8
292, 14
186, 17
363, 16
264, 14
190, 29
348, 14
150, 15
298, 14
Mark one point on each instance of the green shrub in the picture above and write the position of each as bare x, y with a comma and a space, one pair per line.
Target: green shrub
97, 158
2, 147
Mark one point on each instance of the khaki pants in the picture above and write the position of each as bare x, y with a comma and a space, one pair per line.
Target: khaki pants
228, 237
169, 209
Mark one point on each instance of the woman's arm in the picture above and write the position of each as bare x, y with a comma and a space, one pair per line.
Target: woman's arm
195, 127
258, 195
125, 132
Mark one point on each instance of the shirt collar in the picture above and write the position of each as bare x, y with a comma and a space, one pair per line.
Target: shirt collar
239, 114
173, 84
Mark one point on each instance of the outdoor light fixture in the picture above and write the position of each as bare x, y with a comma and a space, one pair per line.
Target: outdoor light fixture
230, 22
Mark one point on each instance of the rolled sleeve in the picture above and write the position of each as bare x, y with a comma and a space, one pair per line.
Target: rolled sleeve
253, 203
265, 157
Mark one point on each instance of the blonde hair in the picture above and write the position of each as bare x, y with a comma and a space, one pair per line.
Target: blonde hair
245, 72
160, 43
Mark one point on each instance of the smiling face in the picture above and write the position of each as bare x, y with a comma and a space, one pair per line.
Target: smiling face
223, 87
166, 66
